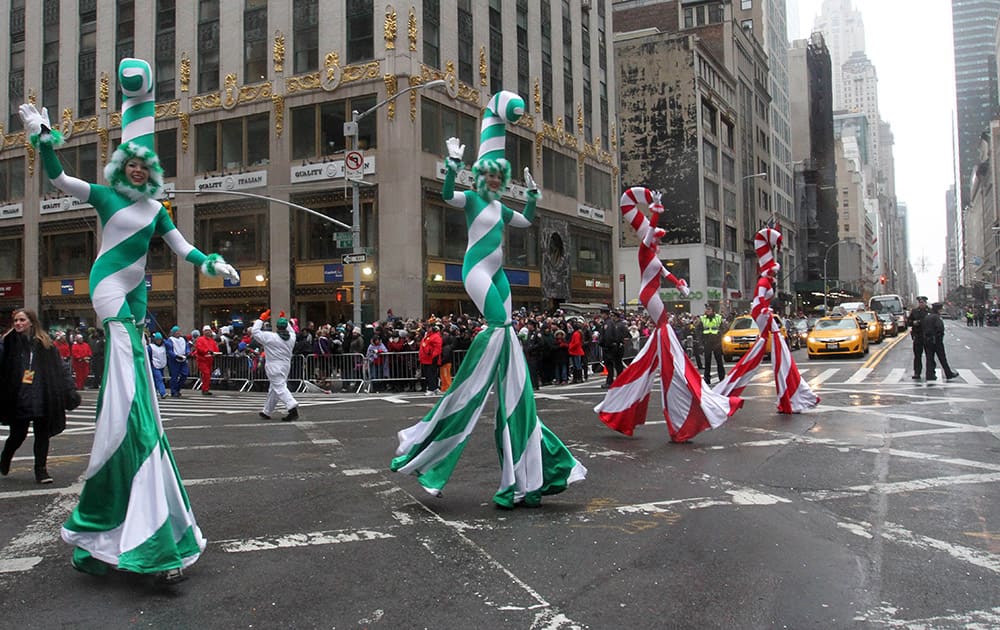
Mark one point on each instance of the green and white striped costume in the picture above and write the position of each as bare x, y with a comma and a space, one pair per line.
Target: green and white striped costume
533, 461
133, 512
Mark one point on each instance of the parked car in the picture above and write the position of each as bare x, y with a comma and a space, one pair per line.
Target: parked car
889, 324
873, 324
741, 336
837, 335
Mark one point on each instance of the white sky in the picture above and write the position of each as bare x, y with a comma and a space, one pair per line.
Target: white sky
910, 44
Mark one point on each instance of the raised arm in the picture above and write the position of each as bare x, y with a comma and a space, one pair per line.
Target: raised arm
210, 264
452, 165
526, 217
42, 136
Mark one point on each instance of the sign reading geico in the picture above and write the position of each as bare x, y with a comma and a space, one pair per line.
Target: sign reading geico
352, 259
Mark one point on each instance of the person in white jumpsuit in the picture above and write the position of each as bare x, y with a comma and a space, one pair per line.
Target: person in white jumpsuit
278, 352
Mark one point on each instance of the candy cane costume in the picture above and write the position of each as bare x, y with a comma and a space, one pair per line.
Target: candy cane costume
794, 394
687, 407
133, 512
533, 461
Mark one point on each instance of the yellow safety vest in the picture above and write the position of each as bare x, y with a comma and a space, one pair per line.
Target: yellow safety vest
710, 326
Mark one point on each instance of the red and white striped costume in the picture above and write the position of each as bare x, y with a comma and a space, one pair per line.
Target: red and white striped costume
687, 408
794, 394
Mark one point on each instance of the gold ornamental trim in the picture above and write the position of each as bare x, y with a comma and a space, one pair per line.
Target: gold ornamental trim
390, 91
389, 27
104, 89
185, 71
482, 66
279, 113
332, 76
411, 29
185, 119
278, 52
456, 89
232, 95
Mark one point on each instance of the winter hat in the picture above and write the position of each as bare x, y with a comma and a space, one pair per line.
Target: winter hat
175, 329
195, 334
135, 77
158, 336
206, 328
503, 107
766, 243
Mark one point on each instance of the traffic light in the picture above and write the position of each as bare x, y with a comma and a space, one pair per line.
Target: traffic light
340, 296
169, 207
939, 281
882, 279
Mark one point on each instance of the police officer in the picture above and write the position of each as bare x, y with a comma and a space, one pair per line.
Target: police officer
711, 340
915, 322
613, 345
933, 327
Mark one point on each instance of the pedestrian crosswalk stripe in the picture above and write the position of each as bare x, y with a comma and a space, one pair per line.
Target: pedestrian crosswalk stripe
859, 376
969, 377
895, 376
823, 377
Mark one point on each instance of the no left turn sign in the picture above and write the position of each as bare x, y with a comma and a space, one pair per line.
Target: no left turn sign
354, 164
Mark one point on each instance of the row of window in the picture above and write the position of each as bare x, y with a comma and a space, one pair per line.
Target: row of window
317, 131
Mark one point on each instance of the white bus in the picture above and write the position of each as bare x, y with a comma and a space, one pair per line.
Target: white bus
891, 304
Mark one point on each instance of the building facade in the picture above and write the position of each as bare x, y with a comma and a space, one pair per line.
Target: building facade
251, 117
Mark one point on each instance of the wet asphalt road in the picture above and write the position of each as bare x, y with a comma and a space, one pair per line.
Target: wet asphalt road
878, 509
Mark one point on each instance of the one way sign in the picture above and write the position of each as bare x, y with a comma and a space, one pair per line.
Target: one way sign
353, 259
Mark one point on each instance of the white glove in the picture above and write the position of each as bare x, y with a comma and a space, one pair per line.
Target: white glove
656, 205
529, 183
34, 121
455, 149
227, 271
682, 286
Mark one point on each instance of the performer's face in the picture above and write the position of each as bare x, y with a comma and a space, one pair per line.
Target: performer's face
494, 181
137, 172
21, 323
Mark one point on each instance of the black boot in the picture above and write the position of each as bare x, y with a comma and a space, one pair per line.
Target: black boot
5, 460
293, 414
42, 475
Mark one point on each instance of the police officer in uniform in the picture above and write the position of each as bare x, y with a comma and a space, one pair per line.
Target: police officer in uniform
711, 340
915, 322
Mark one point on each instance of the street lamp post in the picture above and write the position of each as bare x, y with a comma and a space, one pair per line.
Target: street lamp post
826, 259
351, 134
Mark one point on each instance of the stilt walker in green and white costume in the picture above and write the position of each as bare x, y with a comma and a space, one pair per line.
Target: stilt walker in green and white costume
533, 462
133, 512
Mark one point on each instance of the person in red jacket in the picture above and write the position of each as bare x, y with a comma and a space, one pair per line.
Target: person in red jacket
62, 345
81, 361
576, 353
430, 360
205, 349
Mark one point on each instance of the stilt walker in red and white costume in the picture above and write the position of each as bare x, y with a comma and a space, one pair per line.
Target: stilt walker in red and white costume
687, 407
794, 395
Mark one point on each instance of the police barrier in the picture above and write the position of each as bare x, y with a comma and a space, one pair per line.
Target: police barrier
346, 372
229, 371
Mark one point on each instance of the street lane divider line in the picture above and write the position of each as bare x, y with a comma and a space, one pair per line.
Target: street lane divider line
880, 354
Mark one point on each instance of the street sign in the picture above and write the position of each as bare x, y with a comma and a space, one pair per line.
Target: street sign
345, 243
354, 165
353, 259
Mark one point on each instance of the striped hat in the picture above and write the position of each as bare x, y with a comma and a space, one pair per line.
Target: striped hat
503, 107
135, 76
766, 242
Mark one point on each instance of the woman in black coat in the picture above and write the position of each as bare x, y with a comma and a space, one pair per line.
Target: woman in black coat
34, 385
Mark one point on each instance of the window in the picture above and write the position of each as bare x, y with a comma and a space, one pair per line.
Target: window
728, 168
86, 79
79, 161
546, 26
729, 133
15, 86
316, 238
591, 252
165, 45
432, 33
438, 122
523, 69
318, 130
522, 246
709, 156
496, 47
159, 257
50, 55
520, 153
11, 266
711, 194
712, 233
569, 116
596, 187
12, 179
746, 5
713, 269
241, 239
445, 231
559, 172
232, 144
680, 267
708, 118
208, 45
166, 150
67, 253
360, 30
255, 41
305, 34
465, 44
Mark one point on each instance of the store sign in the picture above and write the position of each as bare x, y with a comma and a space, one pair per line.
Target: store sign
11, 211
323, 171
62, 204
242, 181
67, 287
333, 272
587, 212
11, 289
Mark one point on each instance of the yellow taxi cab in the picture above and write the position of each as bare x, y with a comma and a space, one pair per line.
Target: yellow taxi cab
876, 332
837, 335
741, 336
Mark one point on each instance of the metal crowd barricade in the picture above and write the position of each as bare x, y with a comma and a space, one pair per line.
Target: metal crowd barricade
393, 368
347, 371
229, 371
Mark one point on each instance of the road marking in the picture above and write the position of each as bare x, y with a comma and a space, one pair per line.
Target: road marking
969, 377
309, 539
859, 376
995, 373
15, 565
550, 396
895, 376
823, 377
900, 487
